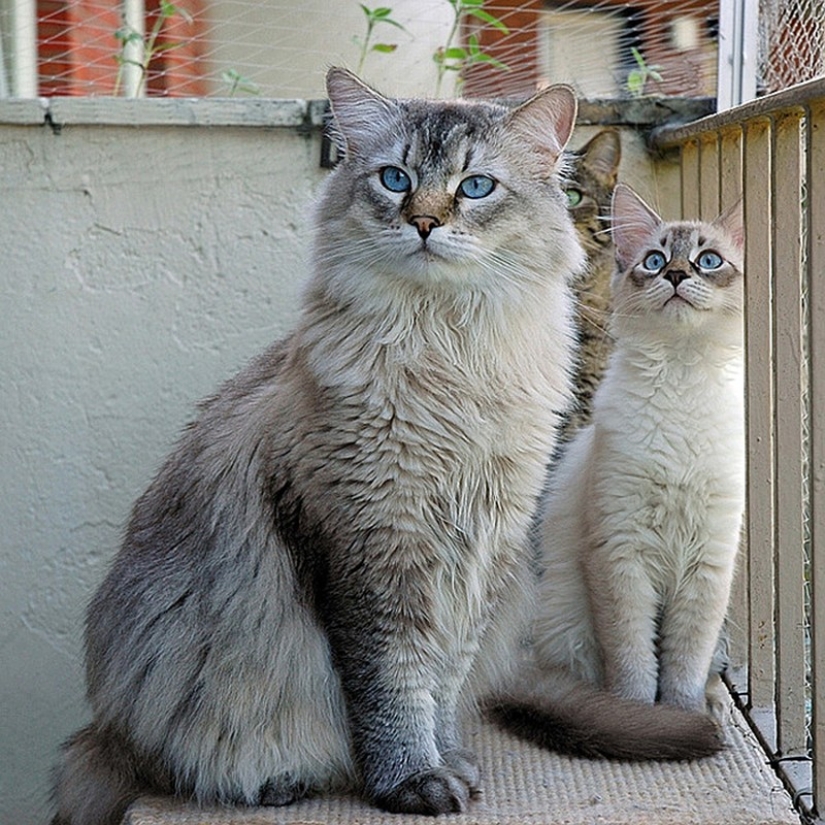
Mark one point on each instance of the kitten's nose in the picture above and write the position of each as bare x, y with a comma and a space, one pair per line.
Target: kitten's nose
424, 224
676, 276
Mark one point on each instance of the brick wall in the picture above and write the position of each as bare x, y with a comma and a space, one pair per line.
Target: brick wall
77, 48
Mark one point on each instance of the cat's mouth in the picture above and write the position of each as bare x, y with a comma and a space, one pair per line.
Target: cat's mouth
678, 300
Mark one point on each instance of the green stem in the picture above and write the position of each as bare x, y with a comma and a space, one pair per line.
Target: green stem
441, 67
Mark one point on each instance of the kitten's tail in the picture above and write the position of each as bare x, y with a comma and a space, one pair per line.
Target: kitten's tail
97, 779
556, 712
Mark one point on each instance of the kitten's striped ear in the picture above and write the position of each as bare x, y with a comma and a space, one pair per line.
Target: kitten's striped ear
360, 112
634, 222
545, 122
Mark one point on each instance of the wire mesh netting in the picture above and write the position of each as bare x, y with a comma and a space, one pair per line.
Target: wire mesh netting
605, 48
791, 42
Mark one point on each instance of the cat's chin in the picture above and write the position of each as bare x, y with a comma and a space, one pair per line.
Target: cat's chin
432, 267
680, 309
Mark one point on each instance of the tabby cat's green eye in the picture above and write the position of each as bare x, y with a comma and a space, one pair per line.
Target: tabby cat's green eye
709, 260
477, 186
654, 261
395, 179
574, 197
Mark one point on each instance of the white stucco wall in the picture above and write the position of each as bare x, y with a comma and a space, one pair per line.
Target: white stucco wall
139, 266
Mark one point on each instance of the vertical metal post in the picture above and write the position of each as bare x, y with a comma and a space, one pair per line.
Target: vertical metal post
24, 49
737, 55
816, 409
134, 20
759, 410
690, 180
788, 421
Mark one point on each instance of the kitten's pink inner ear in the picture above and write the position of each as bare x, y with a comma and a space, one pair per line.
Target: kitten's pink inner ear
546, 120
633, 224
732, 221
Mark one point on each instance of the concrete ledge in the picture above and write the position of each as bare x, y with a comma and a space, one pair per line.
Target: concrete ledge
116, 111
525, 785
24, 112
646, 112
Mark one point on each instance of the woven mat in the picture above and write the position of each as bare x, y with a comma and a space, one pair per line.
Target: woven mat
523, 784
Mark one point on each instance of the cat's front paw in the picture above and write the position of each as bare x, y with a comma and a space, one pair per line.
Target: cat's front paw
464, 764
432, 792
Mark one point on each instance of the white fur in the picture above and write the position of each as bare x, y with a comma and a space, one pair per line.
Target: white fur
640, 530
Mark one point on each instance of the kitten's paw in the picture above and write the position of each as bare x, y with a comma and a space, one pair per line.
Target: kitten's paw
464, 764
280, 791
432, 792
718, 701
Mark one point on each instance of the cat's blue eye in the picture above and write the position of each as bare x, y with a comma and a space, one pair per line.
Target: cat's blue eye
574, 197
709, 260
395, 179
654, 261
477, 186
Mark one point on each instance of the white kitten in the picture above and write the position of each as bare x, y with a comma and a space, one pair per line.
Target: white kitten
641, 525
641, 529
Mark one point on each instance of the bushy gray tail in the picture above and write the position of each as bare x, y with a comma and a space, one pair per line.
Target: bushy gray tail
97, 779
569, 717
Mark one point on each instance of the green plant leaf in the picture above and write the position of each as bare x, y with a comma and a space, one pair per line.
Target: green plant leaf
635, 82
131, 36
385, 48
489, 18
165, 47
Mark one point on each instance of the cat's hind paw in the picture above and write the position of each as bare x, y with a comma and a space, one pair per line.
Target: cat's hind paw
432, 792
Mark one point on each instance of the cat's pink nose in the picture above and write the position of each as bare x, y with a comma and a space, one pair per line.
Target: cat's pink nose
424, 224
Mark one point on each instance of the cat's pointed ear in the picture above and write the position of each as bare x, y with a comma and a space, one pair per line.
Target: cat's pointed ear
603, 152
732, 222
358, 110
633, 224
546, 121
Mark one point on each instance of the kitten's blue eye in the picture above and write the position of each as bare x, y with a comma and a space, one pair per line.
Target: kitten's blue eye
574, 197
709, 260
477, 186
395, 179
654, 261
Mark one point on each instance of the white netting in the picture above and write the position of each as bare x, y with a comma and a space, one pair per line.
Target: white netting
605, 48
278, 49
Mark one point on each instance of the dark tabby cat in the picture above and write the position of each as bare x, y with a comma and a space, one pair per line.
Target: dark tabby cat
590, 181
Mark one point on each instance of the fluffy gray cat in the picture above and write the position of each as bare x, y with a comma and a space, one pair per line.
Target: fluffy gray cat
332, 559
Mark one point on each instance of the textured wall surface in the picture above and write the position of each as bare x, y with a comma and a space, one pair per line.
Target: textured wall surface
139, 267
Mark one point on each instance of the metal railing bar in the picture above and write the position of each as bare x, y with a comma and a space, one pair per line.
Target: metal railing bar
709, 186
789, 490
788, 100
816, 376
690, 180
759, 418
